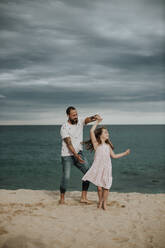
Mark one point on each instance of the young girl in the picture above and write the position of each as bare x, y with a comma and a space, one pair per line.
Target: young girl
100, 172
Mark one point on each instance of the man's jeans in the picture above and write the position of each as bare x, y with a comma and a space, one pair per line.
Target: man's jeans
67, 162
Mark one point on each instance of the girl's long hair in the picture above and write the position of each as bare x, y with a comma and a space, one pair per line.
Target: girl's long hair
88, 144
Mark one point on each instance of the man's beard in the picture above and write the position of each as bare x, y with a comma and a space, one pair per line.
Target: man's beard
73, 121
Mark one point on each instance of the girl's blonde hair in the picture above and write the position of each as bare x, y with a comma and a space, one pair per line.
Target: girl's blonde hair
98, 132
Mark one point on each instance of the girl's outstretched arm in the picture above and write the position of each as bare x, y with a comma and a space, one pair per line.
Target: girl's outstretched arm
119, 155
92, 133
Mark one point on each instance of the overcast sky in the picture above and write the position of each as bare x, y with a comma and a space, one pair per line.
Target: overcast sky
103, 57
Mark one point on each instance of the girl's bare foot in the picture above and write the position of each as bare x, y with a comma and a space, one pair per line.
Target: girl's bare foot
99, 205
104, 206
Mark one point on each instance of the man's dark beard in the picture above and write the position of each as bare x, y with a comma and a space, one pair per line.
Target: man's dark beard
73, 121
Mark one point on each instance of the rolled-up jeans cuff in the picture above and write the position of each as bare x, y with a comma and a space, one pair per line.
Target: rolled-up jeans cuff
85, 185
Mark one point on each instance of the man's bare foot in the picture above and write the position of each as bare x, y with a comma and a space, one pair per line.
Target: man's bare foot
62, 198
62, 202
99, 205
86, 201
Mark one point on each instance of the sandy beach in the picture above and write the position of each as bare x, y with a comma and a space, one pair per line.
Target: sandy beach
34, 219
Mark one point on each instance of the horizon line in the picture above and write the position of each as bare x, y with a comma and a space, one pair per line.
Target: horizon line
136, 124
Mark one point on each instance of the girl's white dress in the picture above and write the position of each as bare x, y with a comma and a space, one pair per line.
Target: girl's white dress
100, 172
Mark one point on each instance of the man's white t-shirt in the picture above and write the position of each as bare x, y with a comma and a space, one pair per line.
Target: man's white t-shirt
75, 132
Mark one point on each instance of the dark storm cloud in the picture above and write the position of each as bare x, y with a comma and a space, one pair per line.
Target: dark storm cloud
134, 61
51, 95
85, 52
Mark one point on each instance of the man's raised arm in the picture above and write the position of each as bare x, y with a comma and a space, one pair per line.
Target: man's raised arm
92, 118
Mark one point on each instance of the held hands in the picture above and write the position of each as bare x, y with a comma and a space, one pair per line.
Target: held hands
127, 152
98, 118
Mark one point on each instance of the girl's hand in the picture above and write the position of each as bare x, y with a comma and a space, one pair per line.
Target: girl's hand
98, 117
98, 121
127, 152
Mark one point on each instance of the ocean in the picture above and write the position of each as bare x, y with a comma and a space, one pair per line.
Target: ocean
30, 158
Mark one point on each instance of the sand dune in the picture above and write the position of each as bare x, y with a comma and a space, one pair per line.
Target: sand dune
34, 219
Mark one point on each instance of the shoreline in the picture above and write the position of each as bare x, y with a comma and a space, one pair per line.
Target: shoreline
34, 218
134, 124
89, 191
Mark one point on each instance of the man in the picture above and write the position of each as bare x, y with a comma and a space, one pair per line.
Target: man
71, 152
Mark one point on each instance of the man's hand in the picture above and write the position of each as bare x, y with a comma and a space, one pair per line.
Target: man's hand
98, 117
98, 121
71, 148
92, 118
81, 161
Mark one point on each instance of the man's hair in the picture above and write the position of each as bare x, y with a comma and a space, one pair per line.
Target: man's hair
69, 109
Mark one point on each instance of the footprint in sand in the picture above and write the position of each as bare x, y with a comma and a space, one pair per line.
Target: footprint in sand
3, 231
22, 242
116, 204
17, 212
40, 204
121, 239
27, 205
